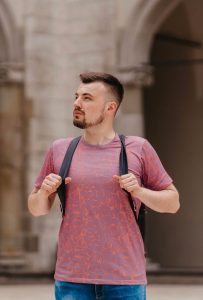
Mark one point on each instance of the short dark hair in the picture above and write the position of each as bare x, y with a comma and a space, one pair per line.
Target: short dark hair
112, 82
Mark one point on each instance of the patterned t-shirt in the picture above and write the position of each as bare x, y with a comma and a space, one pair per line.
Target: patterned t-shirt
99, 240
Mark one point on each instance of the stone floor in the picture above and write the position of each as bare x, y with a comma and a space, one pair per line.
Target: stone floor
175, 292
44, 291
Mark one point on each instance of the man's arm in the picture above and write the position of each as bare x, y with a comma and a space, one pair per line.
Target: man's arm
164, 201
41, 200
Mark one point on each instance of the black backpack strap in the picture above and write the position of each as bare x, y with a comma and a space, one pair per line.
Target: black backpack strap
64, 171
123, 169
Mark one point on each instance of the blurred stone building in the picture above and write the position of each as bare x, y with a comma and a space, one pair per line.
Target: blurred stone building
156, 49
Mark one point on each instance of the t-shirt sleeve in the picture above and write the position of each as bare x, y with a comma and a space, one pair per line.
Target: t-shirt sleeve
155, 176
47, 168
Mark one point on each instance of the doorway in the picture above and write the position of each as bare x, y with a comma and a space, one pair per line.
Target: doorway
173, 110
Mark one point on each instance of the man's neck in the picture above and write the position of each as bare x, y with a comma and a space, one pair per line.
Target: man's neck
99, 137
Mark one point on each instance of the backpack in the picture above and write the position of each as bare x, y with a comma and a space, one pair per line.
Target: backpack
123, 169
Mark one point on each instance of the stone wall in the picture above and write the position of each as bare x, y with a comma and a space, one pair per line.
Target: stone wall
63, 39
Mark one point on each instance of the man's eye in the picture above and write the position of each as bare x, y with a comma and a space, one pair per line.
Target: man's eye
87, 98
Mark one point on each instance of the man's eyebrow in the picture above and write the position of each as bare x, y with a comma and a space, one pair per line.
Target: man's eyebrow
85, 94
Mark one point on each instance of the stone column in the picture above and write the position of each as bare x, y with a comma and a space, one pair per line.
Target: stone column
11, 165
131, 115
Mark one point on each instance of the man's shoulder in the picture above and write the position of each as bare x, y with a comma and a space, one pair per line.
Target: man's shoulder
62, 143
135, 144
133, 139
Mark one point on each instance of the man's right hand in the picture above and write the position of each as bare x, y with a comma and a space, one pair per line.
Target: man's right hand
40, 200
51, 183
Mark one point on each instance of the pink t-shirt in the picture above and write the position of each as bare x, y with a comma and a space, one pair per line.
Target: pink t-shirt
99, 240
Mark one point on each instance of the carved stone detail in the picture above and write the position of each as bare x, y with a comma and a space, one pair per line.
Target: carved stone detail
3, 74
137, 76
11, 72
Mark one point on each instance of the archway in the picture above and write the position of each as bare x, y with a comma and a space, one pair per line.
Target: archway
174, 123
133, 67
139, 32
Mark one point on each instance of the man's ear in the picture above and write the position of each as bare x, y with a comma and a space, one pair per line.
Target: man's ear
112, 106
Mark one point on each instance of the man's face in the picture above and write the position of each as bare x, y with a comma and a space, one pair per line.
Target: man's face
89, 105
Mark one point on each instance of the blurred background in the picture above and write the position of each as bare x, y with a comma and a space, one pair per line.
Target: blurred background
156, 49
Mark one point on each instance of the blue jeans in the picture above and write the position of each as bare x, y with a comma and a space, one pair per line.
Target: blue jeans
84, 291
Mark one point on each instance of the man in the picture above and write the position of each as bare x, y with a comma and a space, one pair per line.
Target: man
100, 248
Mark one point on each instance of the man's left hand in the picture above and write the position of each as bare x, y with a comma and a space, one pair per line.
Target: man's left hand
128, 182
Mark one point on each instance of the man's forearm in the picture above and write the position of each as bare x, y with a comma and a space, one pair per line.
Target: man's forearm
39, 203
166, 201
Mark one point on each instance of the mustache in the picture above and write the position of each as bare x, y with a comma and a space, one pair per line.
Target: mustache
78, 109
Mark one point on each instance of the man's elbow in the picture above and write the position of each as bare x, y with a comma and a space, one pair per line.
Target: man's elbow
176, 203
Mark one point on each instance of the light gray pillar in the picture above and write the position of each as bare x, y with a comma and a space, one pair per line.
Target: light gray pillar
130, 119
11, 166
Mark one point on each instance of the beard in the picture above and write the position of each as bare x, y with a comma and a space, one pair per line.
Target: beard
83, 124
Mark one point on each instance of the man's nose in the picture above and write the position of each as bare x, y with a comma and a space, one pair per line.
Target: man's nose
77, 102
